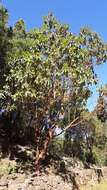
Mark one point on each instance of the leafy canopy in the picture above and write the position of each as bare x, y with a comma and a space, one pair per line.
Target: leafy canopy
50, 66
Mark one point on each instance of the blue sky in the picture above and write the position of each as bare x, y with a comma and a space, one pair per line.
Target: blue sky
76, 13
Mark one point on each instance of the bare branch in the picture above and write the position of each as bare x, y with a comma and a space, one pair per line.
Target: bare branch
72, 124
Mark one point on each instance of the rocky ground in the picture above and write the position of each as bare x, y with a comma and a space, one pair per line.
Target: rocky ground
48, 180
43, 182
63, 174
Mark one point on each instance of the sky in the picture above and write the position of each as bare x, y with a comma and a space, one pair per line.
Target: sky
76, 13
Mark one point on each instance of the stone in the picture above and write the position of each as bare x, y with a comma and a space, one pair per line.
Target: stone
4, 181
3, 188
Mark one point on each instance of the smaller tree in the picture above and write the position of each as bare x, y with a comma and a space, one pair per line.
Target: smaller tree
89, 140
101, 107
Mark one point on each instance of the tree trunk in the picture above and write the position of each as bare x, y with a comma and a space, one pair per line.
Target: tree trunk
40, 154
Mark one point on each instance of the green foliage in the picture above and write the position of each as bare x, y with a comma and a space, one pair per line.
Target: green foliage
19, 30
101, 108
5, 47
56, 146
7, 167
88, 141
47, 74
52, 59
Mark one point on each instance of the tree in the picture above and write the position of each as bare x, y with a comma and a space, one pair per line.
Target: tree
52, 67
88, 140
19, 30
101, 107
5, 46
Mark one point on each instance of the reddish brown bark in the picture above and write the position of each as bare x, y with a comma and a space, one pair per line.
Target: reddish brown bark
40, 154
41, 151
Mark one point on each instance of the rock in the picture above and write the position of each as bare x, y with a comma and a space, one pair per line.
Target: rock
4, 181
3, 188
63, 181
17, 187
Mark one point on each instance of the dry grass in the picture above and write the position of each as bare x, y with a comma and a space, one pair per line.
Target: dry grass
101, 186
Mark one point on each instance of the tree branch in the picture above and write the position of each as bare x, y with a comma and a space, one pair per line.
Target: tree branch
72, 124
